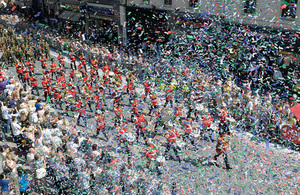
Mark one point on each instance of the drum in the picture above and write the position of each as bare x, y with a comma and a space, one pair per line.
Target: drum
130, 138
199, 107
161, 160
181, 144
196, 134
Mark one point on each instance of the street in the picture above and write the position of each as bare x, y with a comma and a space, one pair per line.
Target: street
258, 167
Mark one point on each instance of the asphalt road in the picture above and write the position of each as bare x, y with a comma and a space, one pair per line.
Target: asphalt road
257, 169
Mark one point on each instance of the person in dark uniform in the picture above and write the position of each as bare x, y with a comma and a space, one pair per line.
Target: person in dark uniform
222, 149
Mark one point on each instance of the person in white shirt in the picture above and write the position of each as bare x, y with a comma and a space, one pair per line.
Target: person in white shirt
6, 119
33, 117
17, 130
30, 157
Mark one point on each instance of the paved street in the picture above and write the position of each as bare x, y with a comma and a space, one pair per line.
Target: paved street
258, 167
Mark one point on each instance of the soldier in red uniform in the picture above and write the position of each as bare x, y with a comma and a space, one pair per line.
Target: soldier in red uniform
25, 75
30, 65
46, 87
33, 84
151, 155
57, 96
119, 112
178, 112
82, 69
80, 111
100, 101
134, 111
130, 81
105, 68
206, 121
147, 85
122, 131
46, 73
61, 59
169, 96
83, 61
100, 120
141, 124
61, 69
153, 102
53, 69
172, 136
222, 149
73, 60
19, 69
188, 128
43, 62
118, 99
223, 125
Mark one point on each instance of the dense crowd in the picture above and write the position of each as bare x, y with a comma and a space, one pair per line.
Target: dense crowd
186, 98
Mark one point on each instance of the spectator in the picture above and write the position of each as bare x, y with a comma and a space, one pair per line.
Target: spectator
38, 104
6, 119
16, 129
2, 159
30, 157
4, 184
3, 84
11, 102
23, 181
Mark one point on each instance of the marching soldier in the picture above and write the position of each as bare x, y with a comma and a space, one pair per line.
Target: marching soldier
141, 124
147, 85
46, 87
100, 120
222, 149
25, 75
172, 136
53, 69
57, 96
169, 97
151, 154
30, 65
61, 59
73, 60
34, 85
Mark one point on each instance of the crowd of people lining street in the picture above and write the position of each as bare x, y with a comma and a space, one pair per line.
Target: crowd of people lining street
190, 93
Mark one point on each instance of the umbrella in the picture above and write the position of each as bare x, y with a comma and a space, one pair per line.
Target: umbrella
296, 110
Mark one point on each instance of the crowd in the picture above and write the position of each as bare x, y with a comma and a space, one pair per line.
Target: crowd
186, 97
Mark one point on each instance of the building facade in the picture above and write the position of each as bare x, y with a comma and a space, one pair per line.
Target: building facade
274, 14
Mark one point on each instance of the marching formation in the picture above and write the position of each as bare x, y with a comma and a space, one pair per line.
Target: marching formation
160, 107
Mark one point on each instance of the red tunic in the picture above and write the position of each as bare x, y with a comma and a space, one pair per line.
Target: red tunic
33, 82
53, 67
56, 92
140, 123
19, 69
172, 135
178, 111
100, 121
25, 73
147, 86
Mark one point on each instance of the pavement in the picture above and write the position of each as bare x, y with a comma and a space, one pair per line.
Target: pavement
258, 166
